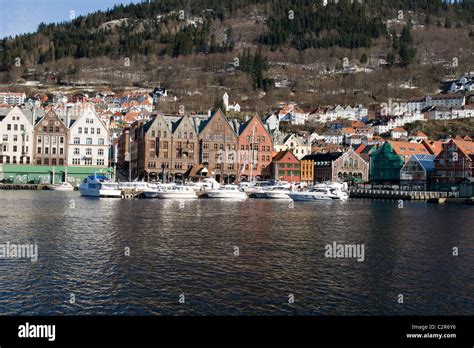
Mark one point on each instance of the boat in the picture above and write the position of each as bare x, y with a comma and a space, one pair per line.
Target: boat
62, 186
99, 185
177, 192
206, 185
278, 192
154, 189
227, 192
320, 192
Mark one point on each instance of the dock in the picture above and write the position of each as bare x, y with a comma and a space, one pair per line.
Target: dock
399, 195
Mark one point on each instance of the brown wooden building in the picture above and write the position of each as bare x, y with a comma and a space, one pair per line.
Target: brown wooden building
165, 147
218, 145
255, 147
50, 141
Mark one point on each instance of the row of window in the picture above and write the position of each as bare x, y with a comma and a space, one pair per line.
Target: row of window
88, 161
77, 141
51, 129
47, 162
15, 127
184, 135
14, 160
46, 139
166, 165
15, 137
52, 150
86, 130
15, 148
77, 151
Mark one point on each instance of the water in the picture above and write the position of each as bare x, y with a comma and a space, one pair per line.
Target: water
190, 250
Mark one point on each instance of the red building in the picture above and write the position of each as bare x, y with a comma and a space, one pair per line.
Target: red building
455, 162
255, 148
286, 167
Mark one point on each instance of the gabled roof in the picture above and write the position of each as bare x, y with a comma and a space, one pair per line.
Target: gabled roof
426, 161
467, 147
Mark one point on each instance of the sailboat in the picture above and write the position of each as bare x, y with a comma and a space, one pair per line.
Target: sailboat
62, 186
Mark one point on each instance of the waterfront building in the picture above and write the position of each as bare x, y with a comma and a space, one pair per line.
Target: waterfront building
387, 160
417, 171
337, 166
16, 138
218, 145
255, 148
50, 141
455, 162
285, 166
88, 143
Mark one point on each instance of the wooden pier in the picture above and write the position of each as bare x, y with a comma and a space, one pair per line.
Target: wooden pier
22, 187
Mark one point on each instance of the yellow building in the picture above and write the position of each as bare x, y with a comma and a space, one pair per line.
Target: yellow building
307, 171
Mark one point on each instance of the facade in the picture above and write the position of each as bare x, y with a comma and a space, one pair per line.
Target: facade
88, 143
167, 148
11, 98
50, 141
285, 166
455, 162
218, 145
387, 161
255, 148
294, 143
350, 167
417, 171
338, 167
16, 138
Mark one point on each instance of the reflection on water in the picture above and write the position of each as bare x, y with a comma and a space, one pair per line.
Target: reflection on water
190, 248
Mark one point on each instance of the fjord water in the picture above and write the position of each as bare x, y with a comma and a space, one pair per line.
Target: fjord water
191, 250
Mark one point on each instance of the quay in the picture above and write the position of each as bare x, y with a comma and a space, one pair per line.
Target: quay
23, 187
424, 196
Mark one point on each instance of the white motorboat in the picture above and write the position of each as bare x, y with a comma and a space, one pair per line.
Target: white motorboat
320, 192
99, 185
278, 192
177, 192
154, 189
62, 186
206, 185
227, 192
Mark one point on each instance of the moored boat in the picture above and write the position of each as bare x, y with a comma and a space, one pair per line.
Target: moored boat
62, 186
318, 193
100, 186
227, 192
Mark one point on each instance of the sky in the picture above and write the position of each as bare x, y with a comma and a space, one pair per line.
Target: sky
23, 16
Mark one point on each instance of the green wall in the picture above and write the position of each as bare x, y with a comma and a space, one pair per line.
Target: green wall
27, 174
385, 165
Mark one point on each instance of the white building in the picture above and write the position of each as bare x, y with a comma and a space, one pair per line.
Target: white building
297, 145
16, 138
230, 107
88, 141
293, 114
12, 98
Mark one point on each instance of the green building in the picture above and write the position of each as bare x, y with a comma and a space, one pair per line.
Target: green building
26, 174
387, 161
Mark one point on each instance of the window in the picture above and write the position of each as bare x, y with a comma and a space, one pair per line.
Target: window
88, 141
100, 162
76, 161
88, 151
79, 130
98, 131
86, 130
61, 151
100, 152
92, 130
54, 150
5, 137
38, 150
76, 151
76, 140
101, 141
9, 127
15, 137
88, 161
61, 140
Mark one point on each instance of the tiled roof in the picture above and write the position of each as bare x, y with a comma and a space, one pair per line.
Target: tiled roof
405, 148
